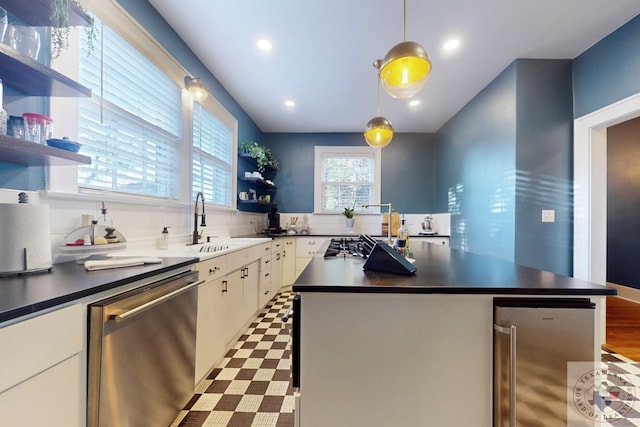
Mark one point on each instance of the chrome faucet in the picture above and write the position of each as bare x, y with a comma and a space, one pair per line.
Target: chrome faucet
388, 206
196, 236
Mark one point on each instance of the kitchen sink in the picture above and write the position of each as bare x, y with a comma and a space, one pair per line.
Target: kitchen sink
203, 251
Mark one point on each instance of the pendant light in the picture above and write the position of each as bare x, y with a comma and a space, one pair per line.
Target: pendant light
405, 68
378, 132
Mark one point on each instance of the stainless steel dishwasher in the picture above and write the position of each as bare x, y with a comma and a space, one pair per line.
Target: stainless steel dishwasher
142, 353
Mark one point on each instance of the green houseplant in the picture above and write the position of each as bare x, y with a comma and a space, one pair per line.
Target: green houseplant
349, 214
61, 24
264, 157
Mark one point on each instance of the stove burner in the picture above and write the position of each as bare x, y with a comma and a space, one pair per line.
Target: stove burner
346, 246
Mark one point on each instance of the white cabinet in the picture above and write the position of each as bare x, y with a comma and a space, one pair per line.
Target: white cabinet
44, 355
288, 261
437, 240
265, 280
306, 248
277, 248
227, 300
211, 325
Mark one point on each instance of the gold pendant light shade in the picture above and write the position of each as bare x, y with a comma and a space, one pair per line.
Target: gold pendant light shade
378, 132
404, 70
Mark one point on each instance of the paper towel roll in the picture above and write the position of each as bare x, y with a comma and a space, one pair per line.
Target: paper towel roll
24, 226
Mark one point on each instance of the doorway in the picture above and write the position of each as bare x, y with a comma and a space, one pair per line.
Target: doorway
590, 193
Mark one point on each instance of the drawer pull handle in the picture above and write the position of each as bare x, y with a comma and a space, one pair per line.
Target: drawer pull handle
213, 270
225, 289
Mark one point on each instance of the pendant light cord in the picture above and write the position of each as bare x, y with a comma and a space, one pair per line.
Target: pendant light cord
378, 95
404, 22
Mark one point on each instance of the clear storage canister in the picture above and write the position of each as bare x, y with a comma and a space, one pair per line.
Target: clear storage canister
37, 127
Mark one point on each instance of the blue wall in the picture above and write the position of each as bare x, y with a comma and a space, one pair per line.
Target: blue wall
544, 159
475, 172
408, 169
609, 71
506, 156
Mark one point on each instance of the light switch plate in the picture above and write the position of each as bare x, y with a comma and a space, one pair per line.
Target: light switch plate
548, 215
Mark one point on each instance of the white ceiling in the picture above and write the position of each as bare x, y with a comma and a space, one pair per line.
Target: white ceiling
323, 52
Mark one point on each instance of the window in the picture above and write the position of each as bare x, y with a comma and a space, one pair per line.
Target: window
213, 158
132, 125
346, 177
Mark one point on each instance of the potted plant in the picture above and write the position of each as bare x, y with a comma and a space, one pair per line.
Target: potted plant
61, 23
264, 157
349, 216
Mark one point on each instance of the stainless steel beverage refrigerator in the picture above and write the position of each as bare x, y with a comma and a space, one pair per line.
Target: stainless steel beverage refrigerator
534, 339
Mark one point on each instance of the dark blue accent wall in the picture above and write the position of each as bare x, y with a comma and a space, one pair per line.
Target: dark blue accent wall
506, 156
475, 173
609, 71
544, 159
408, 169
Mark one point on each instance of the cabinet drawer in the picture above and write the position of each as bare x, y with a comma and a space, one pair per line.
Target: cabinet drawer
36, 344
307, 247
213, 268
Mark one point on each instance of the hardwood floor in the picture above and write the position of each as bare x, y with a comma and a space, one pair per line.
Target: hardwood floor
623, 327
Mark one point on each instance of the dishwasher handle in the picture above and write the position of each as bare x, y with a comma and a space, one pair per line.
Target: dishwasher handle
511, 331
137, 310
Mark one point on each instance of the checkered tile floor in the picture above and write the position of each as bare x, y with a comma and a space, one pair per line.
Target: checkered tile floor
252, 385
623, 397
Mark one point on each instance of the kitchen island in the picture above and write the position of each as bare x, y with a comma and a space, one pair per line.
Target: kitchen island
383, 349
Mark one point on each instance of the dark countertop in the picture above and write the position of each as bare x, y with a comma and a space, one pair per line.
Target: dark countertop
29, 293
280, 235
440, 270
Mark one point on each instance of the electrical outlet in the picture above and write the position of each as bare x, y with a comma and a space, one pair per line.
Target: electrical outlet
548, 215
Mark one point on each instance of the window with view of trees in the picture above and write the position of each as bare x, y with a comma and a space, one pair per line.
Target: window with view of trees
346, 177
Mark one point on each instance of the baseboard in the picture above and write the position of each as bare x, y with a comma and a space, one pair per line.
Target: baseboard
626, 292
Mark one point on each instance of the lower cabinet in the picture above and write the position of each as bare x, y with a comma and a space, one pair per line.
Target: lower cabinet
211, 324
288, 261
46, 370
306, 248
226, 302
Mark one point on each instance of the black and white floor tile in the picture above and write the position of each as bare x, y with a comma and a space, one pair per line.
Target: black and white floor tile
251, 387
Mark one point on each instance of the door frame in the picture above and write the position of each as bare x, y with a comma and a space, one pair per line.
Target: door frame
590, 187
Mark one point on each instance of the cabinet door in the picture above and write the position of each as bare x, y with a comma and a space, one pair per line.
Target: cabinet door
289, 262
251, 280
41, 363
264, 285
210, 332
233, 304
276, 273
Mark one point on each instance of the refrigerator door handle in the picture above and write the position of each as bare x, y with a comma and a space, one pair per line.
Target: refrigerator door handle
511, 331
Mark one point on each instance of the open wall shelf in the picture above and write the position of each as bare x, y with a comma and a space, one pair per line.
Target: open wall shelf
27, 153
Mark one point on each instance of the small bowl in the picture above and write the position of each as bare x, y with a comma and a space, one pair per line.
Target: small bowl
64, 144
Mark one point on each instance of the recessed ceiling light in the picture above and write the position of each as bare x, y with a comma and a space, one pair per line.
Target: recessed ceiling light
414, 102
289, 103
452, 44
264, 44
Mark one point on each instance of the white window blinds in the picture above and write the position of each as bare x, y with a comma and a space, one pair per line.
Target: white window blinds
131, 126
346, 178
213, 157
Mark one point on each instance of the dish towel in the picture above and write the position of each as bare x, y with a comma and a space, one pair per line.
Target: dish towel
119, 262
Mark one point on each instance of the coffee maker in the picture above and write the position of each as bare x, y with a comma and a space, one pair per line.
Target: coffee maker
274, 221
